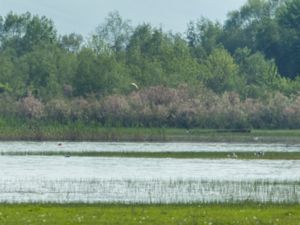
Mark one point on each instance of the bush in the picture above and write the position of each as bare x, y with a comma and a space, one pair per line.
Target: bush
115, 110
58, 109
31, 108
161, 106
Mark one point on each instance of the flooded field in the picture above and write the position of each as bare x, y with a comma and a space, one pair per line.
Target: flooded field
135, 180
144, 147
147, 191
136, 168
67, 178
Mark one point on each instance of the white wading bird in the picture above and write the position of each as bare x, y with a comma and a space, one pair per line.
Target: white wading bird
135, 85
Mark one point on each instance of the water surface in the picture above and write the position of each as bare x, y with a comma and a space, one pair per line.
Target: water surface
59, 179
143, 147
59, 167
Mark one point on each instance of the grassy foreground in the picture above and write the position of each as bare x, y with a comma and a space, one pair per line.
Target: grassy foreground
150, 215
175, 155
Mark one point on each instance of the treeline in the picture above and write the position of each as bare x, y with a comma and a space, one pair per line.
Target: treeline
242, 73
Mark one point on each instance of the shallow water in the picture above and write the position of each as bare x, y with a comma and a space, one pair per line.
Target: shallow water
146, 191
144, 180
143, 147
134, 180
56, 167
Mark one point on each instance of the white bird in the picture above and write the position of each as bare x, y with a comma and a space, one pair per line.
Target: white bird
135, 85
232, 155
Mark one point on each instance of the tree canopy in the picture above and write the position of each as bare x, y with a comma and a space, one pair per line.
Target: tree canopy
254, 53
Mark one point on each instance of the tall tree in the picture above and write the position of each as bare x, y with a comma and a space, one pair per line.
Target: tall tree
23, 32
288, 58
220, 72
203, 36
114, 32
71, 42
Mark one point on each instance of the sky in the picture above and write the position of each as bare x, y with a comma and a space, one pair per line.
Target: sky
83, 16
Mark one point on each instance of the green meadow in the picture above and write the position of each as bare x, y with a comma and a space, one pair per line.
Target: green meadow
244, 214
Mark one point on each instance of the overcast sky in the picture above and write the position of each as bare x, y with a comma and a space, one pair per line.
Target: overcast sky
82, 16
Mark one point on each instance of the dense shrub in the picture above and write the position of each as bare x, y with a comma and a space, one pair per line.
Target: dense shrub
58, 109
115, 110
161, 106
30, 107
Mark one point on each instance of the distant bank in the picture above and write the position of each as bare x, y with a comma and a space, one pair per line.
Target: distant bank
80, 132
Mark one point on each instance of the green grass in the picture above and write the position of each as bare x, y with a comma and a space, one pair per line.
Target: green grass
151, 215
175, 155
93, 132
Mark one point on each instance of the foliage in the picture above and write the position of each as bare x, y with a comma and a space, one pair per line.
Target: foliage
114, 32
30, 107
220, 72
243, 73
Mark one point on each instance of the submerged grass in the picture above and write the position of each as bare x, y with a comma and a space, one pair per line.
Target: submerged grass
148, 191
244, 214
175, 155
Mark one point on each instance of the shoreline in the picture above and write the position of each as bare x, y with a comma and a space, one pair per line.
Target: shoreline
93, 133
171, 155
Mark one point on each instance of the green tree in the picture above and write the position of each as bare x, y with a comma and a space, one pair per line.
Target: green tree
39, 31
98, 74
71, 42
41, 71
143, 55
23, 32
261, 75
6, 72
114, 32
220, 73
203, 36
12, 76
288, 56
